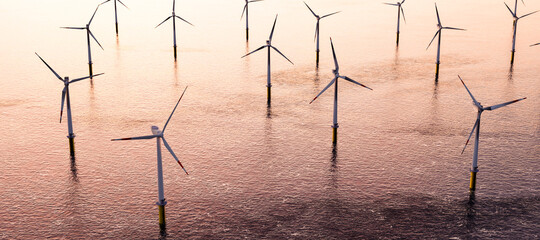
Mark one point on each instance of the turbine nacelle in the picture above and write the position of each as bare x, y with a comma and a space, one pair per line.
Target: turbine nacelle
155, 130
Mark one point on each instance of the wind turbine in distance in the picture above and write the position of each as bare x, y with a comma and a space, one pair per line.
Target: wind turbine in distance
335, 80
173, 16
439, 25
317, 29
88, 34
399, 11
246, 10
269, 46
65, 94
158, 135
115, 12
476, 127
516, 18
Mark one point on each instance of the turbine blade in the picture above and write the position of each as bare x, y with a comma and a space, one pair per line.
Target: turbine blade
316, 31
393, 4
504, 104
184, 20
254, 51
474, 100
123, 4
403, 13
254, 1
510, 10
437, 11
470, 135
528, 14
282, 54
534, 44
164, 127
172, 153
355, 82
173, 3
272, 32
327, 86
433, 39
95, 39
310, 10
163, 21
327, 15
104, 2
79, 79
62, 104
56, 74
243, 11
334, 54
93, 15
136, 138
403, 2
453, 28
78, 28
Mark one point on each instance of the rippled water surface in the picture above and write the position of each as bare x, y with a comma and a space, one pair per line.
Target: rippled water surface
269, 172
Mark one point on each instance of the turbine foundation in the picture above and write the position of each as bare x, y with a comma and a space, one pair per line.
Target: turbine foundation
247, 34
317, 57
512, 58
116, 24
90, 70
71, 145
472, 185
161, 207
397, 38
174, 47
268, 94
437, 72
334, 134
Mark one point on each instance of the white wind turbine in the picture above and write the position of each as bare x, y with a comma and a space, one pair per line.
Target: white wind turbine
399, 11
335, 80
115, 12
65, 94
317, 29
269, 46
246, 10
516, 18
439, 32
476, 127
88, 34
158, 135
174, 16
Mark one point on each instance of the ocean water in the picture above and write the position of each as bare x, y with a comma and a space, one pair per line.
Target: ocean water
263, 172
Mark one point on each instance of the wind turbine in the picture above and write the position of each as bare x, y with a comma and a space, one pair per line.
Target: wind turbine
476, 127
158, 135
439, 32
399, 11
115, 12
246, 10
516, 18
317, 29
335, 80
269, 46
174, 16
88, 34
65, 94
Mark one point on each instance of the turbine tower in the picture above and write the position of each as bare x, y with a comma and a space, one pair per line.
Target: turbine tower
439, 32
65, 94
246, 10
474, 170
317, 30
268, 74
174, 16
158, 135
399, 11
335, 80
88, 35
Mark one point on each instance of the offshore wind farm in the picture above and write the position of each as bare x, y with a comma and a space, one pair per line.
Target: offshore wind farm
269, 171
